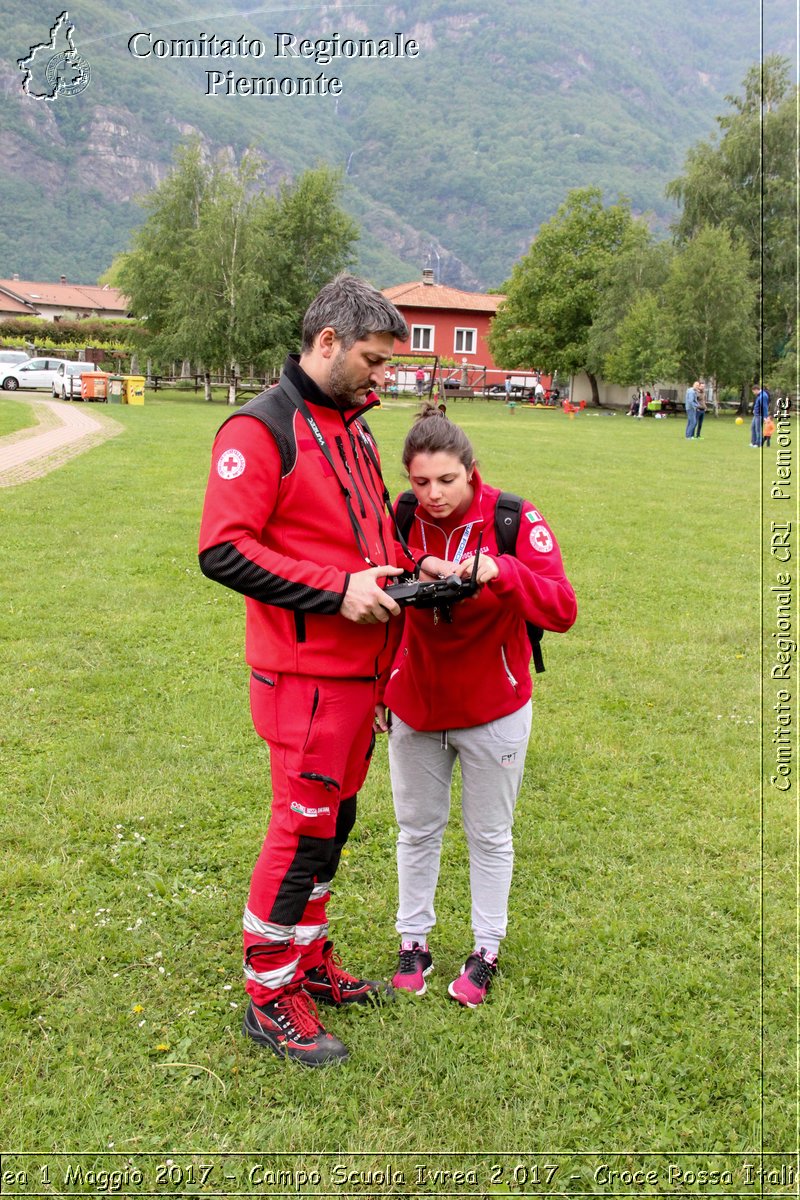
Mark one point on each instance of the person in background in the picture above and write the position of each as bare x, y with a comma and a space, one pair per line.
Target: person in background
460, 687
690, 403
769, 429
701, 408
760, 414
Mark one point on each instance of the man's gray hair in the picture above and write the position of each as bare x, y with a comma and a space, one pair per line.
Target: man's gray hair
354, 309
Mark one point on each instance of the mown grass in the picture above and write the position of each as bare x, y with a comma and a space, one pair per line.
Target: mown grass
136, 794
15, 416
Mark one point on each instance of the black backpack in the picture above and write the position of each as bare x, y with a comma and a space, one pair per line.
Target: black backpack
507, 516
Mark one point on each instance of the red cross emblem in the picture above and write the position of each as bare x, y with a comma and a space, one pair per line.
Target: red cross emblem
541, 539
230, 464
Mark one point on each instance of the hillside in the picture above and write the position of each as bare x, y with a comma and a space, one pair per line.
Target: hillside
459, 153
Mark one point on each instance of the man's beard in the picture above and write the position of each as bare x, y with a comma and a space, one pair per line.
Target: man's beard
340, 385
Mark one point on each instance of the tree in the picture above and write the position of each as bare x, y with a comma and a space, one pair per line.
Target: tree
220, 312
555, 291
784, 377
643, 353
221, 272
744, 180
312, 241
149, 273
633, 279
711, 298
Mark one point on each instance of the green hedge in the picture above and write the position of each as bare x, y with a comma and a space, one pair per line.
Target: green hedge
121, 334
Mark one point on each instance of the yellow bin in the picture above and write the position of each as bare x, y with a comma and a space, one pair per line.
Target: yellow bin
133, 389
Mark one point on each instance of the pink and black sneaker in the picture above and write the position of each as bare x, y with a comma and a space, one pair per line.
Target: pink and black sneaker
471, 986
415, 963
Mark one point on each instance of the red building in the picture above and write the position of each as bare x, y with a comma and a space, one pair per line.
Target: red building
452, 326
446, 322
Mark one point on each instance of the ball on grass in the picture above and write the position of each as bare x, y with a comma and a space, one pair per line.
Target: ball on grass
740, 420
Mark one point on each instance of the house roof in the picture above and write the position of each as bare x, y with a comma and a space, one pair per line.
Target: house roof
63, 295
8, 304
436, 295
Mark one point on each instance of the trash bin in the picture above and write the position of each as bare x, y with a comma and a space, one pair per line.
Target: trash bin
94, 385
115, 389
133, 389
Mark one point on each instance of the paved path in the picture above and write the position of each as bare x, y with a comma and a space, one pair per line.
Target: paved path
63, 430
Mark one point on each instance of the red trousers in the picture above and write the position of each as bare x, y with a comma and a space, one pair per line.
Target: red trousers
320, 738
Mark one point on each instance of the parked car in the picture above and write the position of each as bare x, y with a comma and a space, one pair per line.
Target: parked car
67, 383
12, 358
35, 373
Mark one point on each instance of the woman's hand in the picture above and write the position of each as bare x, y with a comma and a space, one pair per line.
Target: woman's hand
436, 568
487, 568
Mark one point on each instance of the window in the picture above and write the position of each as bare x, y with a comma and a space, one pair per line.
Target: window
422, 337
465, 341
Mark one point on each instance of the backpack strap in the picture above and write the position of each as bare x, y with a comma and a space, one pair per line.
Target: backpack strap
507, 516
404, 512
274, 409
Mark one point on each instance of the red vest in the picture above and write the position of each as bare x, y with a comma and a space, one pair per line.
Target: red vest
276, 527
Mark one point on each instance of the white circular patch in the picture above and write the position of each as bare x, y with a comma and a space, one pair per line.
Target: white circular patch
230, 464
541, 539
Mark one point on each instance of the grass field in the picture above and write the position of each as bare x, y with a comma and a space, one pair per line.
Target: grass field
628, 1015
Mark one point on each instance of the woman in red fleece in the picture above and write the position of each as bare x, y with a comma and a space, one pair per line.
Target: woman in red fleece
461, 688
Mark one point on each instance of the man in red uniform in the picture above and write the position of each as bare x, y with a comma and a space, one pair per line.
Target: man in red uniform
295, 519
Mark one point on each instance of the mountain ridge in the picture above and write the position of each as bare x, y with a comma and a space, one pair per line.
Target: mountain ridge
456, 156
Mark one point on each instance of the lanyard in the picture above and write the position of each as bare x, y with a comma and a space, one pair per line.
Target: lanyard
297, 400
462, 545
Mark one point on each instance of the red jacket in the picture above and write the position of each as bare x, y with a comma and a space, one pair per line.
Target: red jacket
276, 527
453, 676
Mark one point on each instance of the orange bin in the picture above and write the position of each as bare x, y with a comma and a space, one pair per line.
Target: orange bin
94, 385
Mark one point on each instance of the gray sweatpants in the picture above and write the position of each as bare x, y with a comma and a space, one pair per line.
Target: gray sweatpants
492, 763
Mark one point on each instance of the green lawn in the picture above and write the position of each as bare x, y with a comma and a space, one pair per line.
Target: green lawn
19, 415
135, 795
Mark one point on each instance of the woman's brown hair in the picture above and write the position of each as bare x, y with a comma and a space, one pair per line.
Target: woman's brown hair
434, 433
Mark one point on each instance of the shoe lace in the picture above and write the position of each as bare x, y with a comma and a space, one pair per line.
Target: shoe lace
408, 960
300, 1011
481, 970
335, 972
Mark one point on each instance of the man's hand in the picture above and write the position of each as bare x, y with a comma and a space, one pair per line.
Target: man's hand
365, 602
381, 721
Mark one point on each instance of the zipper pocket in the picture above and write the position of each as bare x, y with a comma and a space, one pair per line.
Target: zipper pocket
314, 706
325, 780
263, 679
506, 668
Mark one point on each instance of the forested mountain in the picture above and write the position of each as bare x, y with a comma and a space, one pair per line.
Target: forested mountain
458, 153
